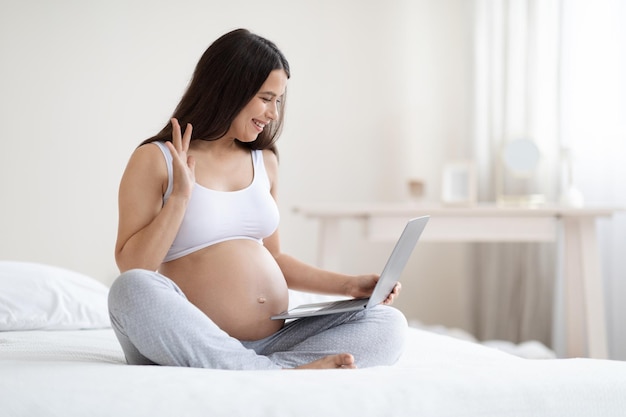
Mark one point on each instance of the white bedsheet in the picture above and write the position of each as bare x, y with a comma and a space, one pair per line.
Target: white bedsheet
82, 373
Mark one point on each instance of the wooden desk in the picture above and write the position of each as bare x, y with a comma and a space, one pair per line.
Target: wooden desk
574, 228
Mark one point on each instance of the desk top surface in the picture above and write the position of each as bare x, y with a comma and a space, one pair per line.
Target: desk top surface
477, 210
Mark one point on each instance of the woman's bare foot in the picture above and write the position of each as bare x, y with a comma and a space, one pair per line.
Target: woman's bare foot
342, 360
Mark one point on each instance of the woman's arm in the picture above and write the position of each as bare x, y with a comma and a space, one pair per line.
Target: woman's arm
146, 227
304, 277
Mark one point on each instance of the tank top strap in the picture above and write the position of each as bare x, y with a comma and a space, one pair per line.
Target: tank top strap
170, 170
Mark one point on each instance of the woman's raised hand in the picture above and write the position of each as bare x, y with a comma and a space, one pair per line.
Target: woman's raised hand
183, 164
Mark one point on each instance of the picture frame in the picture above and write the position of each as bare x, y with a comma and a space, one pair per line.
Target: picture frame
458, 186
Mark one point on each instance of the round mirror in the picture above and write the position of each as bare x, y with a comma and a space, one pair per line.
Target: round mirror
521, 156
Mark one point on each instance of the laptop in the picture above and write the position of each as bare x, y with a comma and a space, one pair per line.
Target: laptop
387, 281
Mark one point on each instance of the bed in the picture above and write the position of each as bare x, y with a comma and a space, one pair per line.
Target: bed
59, 357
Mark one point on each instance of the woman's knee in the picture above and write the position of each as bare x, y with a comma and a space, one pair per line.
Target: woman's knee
392, 325
386, 333
128, 283
135, 285
389, 316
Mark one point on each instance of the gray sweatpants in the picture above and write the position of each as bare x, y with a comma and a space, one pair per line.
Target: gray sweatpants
156, 324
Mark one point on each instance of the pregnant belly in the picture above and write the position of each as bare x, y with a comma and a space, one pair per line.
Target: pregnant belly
237, 283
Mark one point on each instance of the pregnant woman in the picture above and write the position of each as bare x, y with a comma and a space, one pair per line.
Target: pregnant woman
198, 242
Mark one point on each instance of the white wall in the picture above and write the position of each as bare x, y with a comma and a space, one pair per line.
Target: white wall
379, 93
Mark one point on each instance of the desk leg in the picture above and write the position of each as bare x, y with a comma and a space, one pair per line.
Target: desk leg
584, 291
593, 290
328, 244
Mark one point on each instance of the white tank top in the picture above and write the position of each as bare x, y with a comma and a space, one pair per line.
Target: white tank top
216, 216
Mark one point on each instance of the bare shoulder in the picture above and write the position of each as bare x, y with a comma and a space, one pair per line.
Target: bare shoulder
271, 164
146, 168
149, 157
148, 154
270, 159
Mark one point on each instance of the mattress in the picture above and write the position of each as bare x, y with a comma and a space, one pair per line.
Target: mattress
83, 372
60, 357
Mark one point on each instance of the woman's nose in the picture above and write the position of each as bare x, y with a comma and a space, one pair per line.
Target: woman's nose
272, 112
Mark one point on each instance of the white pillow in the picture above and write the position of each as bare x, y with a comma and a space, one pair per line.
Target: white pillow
42, 297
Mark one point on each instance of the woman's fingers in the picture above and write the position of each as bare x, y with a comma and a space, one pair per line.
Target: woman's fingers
180, 140
186, 137
394, 293
176, 135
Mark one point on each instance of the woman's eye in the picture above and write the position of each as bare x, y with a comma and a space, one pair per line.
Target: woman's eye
267, 100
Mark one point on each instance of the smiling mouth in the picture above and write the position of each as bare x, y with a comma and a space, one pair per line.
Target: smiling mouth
260, 125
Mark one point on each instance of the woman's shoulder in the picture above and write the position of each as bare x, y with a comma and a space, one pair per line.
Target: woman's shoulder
268, 156
147, 158
150, 152
270, 161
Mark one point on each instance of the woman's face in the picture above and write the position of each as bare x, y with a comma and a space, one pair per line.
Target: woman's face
261, 110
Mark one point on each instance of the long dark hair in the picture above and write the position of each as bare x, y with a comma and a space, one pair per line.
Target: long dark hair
230, 72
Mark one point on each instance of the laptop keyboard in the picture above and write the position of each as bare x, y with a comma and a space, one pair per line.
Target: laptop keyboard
346, 303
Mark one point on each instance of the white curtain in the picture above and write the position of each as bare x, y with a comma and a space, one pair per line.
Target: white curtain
552, 71
516, 96
593, 120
